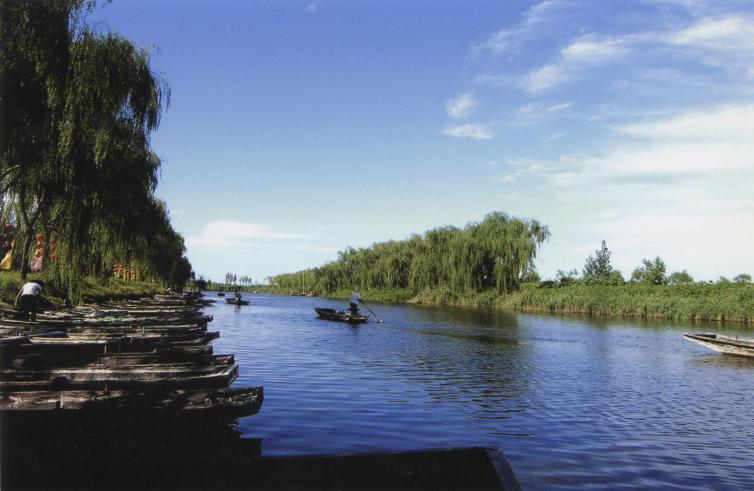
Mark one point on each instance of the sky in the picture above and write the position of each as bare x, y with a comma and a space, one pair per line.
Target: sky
298, 128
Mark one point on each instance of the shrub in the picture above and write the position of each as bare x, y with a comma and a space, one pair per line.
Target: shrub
680, 278
650, 272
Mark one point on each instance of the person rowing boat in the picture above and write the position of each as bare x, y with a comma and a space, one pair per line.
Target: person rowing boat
355, 301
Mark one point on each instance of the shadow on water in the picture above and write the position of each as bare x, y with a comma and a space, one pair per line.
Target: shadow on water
112, 450
146, 453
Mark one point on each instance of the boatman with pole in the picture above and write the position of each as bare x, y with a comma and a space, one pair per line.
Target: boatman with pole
355, 301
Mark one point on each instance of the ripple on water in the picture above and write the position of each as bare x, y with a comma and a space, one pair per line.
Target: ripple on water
575, 403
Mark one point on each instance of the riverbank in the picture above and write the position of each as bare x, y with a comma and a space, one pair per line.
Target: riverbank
94, 291
696, 302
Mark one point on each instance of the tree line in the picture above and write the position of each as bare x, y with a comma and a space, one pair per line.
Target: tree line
496, 253
599, 271
78, 107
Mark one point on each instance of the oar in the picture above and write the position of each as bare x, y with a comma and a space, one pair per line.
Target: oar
379, 321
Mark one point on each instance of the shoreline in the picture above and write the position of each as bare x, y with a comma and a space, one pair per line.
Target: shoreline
720, 304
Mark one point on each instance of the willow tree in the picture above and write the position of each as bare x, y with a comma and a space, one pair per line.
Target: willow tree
112, 104
492, 254
35, 40
79, 107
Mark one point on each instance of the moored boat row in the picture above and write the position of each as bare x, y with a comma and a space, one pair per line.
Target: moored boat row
136, 353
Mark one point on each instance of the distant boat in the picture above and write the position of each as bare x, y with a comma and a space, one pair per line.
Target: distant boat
724, 344
340, 316
220, 294
237, 301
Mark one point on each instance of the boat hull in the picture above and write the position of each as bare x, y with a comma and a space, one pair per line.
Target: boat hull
340, 316
724, 344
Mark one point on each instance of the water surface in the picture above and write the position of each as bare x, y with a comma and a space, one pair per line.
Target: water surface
574, 402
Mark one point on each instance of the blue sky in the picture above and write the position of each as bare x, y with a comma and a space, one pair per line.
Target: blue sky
297, 128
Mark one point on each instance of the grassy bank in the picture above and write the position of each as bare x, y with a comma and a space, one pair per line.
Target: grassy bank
700, 302
94, 291
697, 302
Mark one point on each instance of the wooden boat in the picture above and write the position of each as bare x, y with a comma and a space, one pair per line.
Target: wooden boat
237, 301
107, 322
182, 375
64, 352
219, 403
103, 332
724, 344
340, 316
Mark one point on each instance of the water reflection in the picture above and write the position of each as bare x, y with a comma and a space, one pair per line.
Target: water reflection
115, 450
480, 366
723, 361
575, 401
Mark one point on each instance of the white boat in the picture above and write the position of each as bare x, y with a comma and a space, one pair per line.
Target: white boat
724, 344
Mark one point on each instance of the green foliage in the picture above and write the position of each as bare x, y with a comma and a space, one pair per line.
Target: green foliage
495, 254
680, 278
78, 110
650, 272
565, 278
599, 271
742, 278
531, 276
598, 268
93, 289
690, 301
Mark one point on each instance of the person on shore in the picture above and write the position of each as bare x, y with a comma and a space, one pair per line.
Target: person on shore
28, 299
355, 301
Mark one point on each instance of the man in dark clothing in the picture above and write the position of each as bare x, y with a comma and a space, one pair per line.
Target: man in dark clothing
28, 298
355, 300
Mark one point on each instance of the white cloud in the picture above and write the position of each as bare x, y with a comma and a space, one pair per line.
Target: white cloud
508, 39
473, 131
721, 123
545, 77
672, 186
715, 143
579, 55
312, 7
461, 105
733, 32
228, 234
559, 107
593, 50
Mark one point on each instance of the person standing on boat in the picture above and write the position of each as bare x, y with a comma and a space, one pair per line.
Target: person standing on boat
28, 298
238, 295
355, 301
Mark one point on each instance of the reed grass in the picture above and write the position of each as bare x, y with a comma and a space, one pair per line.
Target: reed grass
696, 302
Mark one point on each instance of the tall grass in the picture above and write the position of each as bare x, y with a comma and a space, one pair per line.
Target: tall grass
718, 302
699, 302
94, 290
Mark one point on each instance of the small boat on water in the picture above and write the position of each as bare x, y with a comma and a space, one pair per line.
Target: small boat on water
237, 301
724, 344
340, 316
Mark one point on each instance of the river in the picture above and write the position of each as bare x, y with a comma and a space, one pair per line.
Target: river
574, 402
